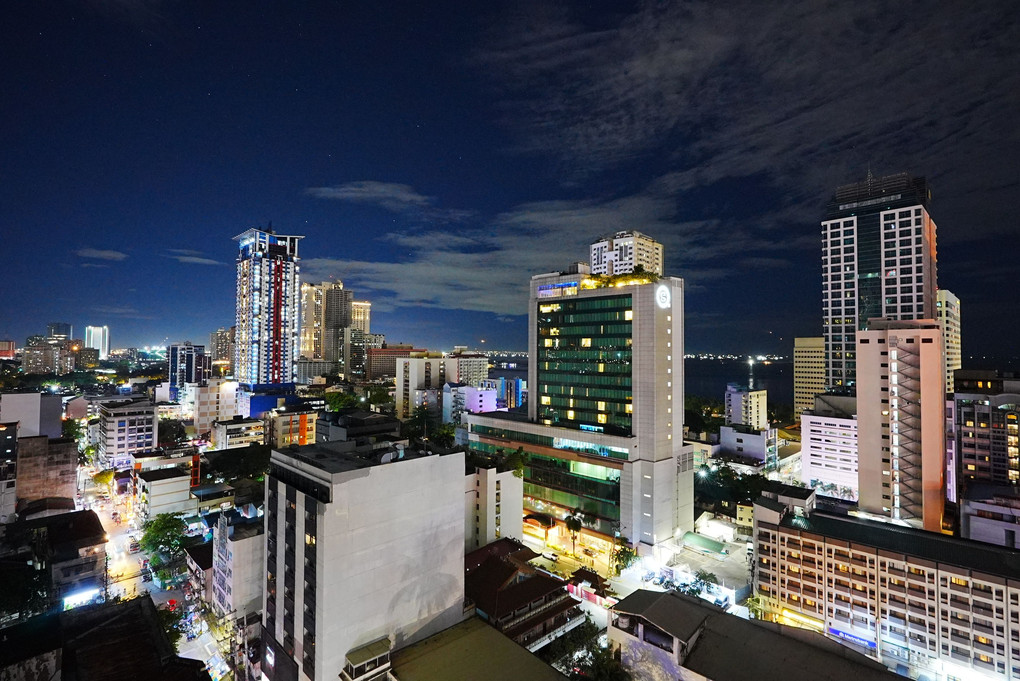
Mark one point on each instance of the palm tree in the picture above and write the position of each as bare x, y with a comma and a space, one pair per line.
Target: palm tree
573, 523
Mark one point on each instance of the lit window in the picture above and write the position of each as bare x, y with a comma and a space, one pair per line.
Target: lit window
586, 342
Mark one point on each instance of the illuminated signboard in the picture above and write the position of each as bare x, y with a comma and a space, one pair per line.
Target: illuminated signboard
594, 429
851, 638
564, 288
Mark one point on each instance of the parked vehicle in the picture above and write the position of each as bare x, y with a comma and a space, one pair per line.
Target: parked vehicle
588, 552
551, 556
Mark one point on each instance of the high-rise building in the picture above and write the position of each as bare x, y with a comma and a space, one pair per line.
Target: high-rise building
361, 315
98, 337
268, 309
808, 372
982, 418
948, 307
326, 311
60, 330
878, 261
358, 548
604, 430
126, 428
420, 378
186, 363
221, 349
624, 252
356, 344
746, 407
311, 321
901, 421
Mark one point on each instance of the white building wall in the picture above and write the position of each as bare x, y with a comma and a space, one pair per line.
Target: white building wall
948, 306
747, 407
389, 556
828, 455
493, 507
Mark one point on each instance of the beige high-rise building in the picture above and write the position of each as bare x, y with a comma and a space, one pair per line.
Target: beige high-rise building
808, 372
747, 407
901, 421
625, 251
361, 316
948, 307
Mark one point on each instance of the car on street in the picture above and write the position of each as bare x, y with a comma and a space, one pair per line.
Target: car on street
588, 552
551, 556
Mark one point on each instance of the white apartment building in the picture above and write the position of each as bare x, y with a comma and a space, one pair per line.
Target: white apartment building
920, 602
808, 372
125, 428
432, 373
214, 400
459, 398
290, 426
622, 252
947, 306
747, 407
379, 539
493, 507
901, 421
164, 490
237, 432
239, 554
991, 513
828, 449
743, 441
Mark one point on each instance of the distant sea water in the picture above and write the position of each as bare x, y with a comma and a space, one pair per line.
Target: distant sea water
708, 377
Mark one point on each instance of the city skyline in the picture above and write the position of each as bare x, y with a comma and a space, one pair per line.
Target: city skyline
436, 161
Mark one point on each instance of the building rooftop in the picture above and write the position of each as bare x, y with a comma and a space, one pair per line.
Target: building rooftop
501, 548
213, 490
496, 591
962, 553
792, 491
158, 474
202, 554
68, 531
469, 651
117, 641
331, 457
246, 530
727, 643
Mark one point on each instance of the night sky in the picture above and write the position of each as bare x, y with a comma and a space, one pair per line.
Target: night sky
436, 155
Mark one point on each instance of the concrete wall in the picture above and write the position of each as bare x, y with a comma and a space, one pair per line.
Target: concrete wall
46, 468
36, 413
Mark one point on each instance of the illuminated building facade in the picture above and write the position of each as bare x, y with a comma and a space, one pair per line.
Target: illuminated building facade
98, 337
948, 307
808, 372
625, 251
924, 604
982, 419
878, 260
605, 422
268, 309
901, 446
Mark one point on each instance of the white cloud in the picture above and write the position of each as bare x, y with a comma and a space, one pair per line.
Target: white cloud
100, 254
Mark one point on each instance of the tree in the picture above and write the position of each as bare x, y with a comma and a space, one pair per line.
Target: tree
600, 664
164, 534
623, 556
87, 456
516, 460
574, 523
71, 429
172, 622
444, 435
706, 577
336, 400
104, 478
171, 432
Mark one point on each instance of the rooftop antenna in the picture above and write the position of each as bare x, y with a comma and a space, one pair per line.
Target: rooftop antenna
871, 178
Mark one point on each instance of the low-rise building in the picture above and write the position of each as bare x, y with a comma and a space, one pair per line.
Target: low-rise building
238, 557
459, 398
529, 606
355, 424
126, 427
828, 451
164, 490
288, 426
920, 602
991, 514
237, 432
745, 441
667, 635
199, 559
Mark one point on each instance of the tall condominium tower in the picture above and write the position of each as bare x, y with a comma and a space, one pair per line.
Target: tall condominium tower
311, 321
61, 330
325, 313
808, 372
878, 260
268, 308
605, 418
186, 363
622, 252
901, 422
948, 306
747, 407
98, 337
361, 315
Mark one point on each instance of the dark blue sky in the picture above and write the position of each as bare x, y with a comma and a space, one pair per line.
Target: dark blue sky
436, 156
